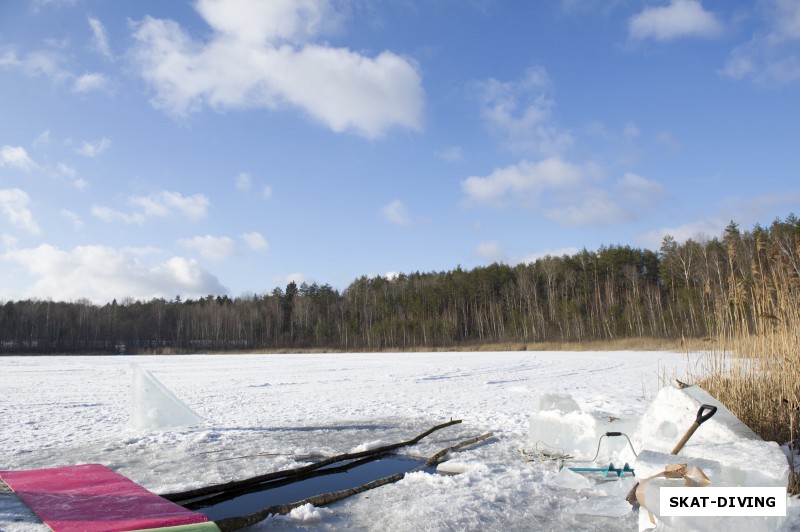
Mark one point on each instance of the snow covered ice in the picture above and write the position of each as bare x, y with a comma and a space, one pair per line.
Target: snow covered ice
267, 412
559, 426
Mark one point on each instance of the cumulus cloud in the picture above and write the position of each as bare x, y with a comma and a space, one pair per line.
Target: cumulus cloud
697, 230
211, 247
668, 140
156, 205
90, 82
559, 252
490, 251
73, 218
55, 66
16, 157
591, 207
521, 112
165, 203
395, 212
681, 18
639, 190
37, 5
107, 214
243, 182
255, 241
525, 181
631, 130
101, 273
14, 207
100, 37
47, 63
566, 193
93, 149
262, 55
772, 56
451, 155
297, 277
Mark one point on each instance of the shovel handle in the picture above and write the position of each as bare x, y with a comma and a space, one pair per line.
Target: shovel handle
701, 417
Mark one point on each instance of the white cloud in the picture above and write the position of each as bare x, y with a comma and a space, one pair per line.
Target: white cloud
102, 273
165, 203
156, 205
521, 112
681, 18
93, 149
260, 55
266, 192
211, 247
491, 251
298, 278
16, 156
274, 21
668, 140
42, 139
560, 252
108, 214
568, 194
8, 241
696, 230
772, 56
100, 37
639, 190
14, 206
243, 182
451, 155
524, 181
631, 130
36, 5
255, 241
67, 171
90, 82
45, 63
395, 212
73, 217
591, 207
54, 65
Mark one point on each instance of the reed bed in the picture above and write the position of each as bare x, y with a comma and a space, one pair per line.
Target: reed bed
753, 368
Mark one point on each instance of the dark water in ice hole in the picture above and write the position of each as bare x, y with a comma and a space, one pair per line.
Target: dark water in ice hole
284, 491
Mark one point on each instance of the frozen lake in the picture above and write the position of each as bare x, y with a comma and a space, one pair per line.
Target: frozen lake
269, 412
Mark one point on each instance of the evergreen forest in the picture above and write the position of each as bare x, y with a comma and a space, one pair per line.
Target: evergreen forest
617, 291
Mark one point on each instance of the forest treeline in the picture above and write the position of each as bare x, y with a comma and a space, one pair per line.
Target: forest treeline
614, 292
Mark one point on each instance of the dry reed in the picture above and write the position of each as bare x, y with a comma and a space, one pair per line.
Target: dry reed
753, 368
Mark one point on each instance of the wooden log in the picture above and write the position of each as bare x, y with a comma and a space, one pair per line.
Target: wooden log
438, 457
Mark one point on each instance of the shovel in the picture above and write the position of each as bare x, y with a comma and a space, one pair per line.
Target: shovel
703, 415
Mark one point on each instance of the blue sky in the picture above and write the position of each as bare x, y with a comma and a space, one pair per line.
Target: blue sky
154, 149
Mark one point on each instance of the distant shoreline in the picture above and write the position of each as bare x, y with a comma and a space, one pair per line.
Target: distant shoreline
622, 344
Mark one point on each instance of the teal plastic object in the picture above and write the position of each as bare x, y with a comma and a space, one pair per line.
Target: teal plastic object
619, 471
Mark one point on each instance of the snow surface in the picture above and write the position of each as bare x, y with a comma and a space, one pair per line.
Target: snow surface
268, 412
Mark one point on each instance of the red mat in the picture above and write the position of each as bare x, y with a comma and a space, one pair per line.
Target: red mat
92, 498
